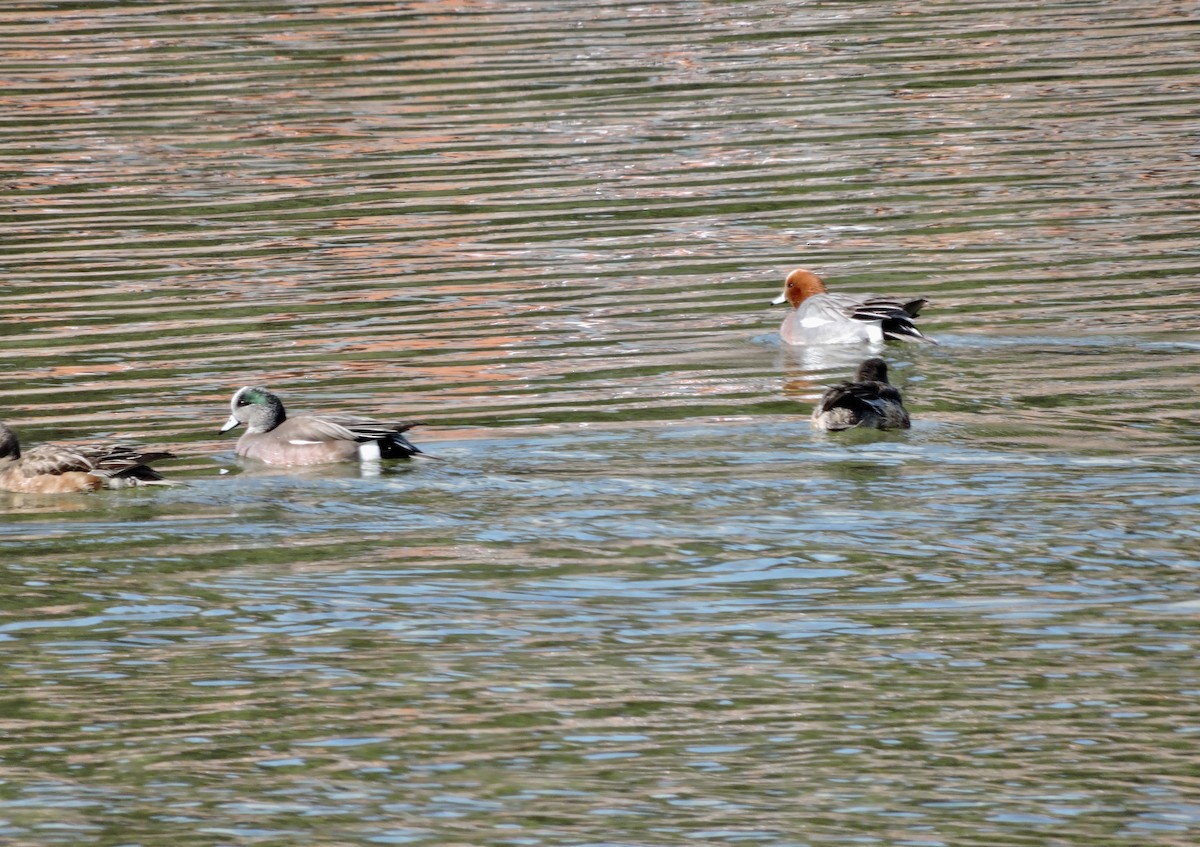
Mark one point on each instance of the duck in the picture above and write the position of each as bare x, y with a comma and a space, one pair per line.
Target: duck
56, 469
869, 401
818, 317
273, 438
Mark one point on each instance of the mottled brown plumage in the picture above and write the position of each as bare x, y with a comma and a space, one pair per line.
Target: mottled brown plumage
55, 469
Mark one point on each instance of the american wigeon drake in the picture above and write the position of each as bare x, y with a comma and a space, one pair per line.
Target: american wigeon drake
818, 317
271, 437
54, 469
869, 401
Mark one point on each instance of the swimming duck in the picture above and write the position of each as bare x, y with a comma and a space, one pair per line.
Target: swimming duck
818, 317
869, 401
54, 469
273, 438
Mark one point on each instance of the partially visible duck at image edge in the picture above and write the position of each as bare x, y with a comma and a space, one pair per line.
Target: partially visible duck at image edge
818, 317
59, 469
868, 401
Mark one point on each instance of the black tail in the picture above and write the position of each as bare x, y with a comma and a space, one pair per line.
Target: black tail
140, 475
396, 446
903, 329
895, 317
846, 395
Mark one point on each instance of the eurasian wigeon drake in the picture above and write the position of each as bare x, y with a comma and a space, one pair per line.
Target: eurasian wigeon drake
54, 469
869, 401
819, 317
271, 437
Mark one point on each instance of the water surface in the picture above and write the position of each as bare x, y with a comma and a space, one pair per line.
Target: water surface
635, 600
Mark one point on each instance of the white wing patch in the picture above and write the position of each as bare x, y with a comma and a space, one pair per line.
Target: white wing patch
301, 441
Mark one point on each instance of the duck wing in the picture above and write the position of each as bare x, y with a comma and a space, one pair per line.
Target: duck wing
342, 428
872, 404
862, 398
52, 460
126, 465
389, 436
895, 317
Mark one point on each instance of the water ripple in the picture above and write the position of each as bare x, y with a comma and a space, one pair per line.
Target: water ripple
637, 601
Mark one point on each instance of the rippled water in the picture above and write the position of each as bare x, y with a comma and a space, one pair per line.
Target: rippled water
637, 601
